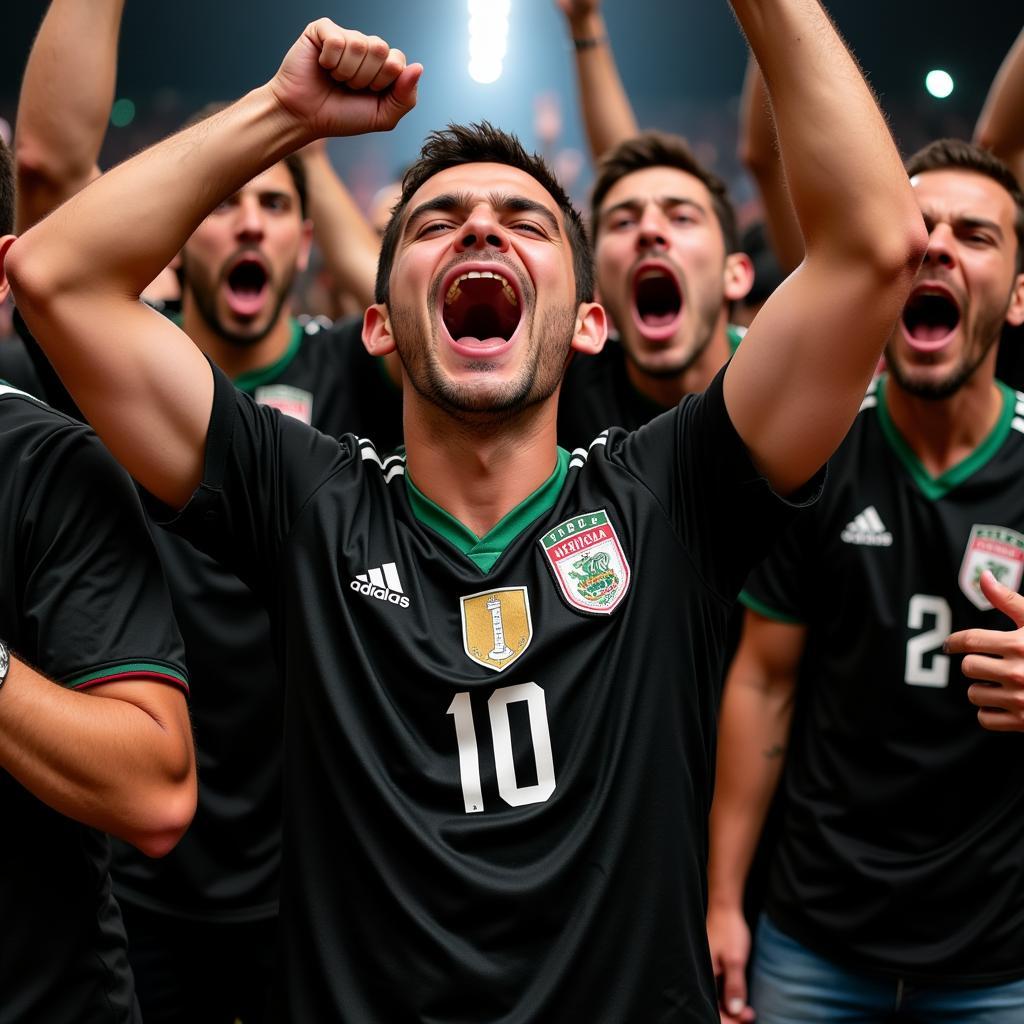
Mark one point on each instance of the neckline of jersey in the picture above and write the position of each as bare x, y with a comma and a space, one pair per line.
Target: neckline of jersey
485, 551
936, 487
252, 379
733, 335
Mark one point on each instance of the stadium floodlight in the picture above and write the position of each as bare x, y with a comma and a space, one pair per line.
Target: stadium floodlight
488, 39
939, 83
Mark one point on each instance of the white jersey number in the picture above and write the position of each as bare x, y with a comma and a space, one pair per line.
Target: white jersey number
501, 736
935, 673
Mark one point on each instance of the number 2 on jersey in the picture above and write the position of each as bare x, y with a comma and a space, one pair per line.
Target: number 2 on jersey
929, 642
501, 738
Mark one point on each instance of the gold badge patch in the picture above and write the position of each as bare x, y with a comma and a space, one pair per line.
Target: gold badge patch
496, 626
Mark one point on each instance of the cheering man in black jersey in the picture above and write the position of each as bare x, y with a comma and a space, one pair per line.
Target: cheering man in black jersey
101, 742
898, 885
499, 659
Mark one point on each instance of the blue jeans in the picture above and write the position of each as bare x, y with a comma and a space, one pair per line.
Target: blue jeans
792, 985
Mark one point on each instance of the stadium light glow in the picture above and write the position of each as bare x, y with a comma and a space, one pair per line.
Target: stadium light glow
939, 83
488, 39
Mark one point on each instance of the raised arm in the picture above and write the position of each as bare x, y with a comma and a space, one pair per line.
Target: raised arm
754, 724
64, 105
1001, 125
607, 113
759, 153
796, 382
77, 275
346, 239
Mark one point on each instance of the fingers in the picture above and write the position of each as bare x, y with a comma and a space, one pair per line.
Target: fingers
1008, 601
396, 103
982, 641
734, 988
354, 59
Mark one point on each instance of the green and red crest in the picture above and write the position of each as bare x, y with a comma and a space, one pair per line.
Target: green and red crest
588, 562
998, 549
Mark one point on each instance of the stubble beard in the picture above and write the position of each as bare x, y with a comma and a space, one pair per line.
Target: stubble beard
985, 334
204, 294
536, 381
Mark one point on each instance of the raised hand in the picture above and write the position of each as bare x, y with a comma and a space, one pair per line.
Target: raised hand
996, 658
337, 81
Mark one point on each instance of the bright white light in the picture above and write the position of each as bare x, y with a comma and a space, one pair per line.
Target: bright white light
485, 72
939, 83
488, 39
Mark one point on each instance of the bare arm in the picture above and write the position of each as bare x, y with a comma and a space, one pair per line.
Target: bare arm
607, 113
754, 724
145, 388
1001, 125
65, 103
797, 380
759, 153
348, 242
118, 758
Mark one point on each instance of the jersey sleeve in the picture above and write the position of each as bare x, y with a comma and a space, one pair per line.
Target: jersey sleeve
695, 463
777, 587
260, 470
93, 605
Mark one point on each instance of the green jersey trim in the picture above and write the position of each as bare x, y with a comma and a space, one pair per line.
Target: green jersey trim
129, 670
751, 602
734, 335
936, 487
252, 379
485, 551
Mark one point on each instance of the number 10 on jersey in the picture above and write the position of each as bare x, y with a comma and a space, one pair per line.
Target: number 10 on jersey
501, 738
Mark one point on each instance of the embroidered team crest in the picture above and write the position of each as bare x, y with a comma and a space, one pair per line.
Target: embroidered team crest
291, 401
589, 563
496, 626
997, 549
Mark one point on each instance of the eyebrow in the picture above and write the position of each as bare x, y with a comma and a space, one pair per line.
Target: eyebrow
461, 202
663, 201
962, 221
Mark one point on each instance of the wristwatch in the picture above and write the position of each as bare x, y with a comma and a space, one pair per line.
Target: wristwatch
5, 661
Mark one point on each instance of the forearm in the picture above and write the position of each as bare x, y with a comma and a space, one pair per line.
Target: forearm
607, 113
1001, 125
65, 102
122, 766
848, 188
348, 243
753, 733
759, 153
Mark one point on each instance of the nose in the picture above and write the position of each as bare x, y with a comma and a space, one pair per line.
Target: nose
249, 224
941, 249
653, 232
481, 230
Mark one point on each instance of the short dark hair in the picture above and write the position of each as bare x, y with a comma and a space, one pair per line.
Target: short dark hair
6, 189
659, 149
483, 143
292, 161
959, 155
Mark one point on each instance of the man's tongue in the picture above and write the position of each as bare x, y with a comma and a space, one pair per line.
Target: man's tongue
246, 290
930, 320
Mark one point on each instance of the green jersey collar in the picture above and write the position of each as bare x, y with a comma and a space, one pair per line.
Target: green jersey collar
252, 379
936, 487
485, 551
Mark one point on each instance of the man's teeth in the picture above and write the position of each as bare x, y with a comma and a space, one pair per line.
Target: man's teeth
455, 291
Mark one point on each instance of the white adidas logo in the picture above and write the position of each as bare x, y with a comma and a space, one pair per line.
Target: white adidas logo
382, 583
868, 529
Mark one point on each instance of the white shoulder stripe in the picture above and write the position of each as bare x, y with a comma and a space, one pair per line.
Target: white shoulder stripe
869, 403
1018, 424
6, 389
370, 455
398, 469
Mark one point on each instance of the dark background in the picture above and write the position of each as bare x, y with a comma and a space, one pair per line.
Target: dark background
682, 63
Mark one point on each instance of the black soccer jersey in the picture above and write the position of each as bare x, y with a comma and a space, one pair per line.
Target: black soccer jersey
500, 749
82, 600
903, 845
597, 393
226, 867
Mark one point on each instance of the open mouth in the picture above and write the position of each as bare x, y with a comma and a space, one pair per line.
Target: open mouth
657, 301
481, 307
930, 318
247, 285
